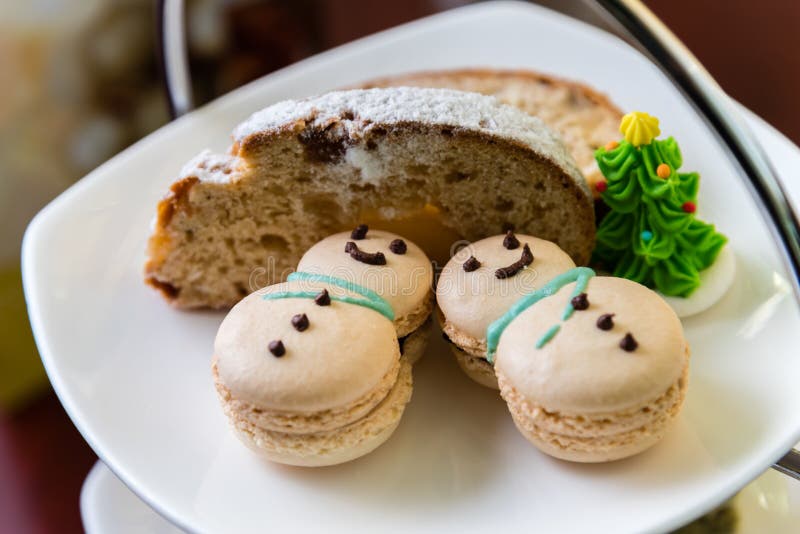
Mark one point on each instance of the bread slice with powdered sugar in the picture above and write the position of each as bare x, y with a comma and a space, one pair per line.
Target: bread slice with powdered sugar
585, 118
301, 170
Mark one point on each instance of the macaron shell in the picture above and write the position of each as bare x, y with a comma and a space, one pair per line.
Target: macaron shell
471, 301
582, 369
597, 437
405, 281
345, 352
477, 368
335, 446
292, 422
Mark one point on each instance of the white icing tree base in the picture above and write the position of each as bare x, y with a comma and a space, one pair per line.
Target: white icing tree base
714, 283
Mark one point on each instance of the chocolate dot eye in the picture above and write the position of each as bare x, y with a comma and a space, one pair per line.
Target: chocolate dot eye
605, 321
276, 348
580, 302
359, 232
510, 241
322, 298
300, 322
628, 343
471, 264
374, 258
398, 246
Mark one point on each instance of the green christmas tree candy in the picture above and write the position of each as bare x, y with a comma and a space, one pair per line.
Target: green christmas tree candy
651, 234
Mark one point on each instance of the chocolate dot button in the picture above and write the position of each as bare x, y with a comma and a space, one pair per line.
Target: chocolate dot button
300, 322
323, 298
276, 348
605, 321
628, 343
580, 302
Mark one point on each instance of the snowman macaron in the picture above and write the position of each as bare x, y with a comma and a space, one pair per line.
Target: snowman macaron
481, 282
391, 266
592, 368
309, 371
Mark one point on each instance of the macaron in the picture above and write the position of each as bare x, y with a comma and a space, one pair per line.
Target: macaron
481, 282
386, 263
595, 372
310, 373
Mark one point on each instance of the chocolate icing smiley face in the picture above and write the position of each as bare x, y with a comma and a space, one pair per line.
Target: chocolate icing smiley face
383, 262
484, 279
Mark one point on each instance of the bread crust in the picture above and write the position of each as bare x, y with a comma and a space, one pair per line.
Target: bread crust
494, 74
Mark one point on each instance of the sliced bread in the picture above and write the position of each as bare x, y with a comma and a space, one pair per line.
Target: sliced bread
301, 170
585, 118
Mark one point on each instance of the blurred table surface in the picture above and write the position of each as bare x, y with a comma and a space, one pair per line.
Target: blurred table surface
751, 48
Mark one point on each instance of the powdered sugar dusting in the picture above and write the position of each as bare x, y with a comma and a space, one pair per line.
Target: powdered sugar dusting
210, 167
360, 110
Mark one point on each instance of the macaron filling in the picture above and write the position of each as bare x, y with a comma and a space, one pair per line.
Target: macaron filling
288, 422
335, 445
599, 436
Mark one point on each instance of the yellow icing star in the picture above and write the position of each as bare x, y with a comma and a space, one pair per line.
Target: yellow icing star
639, 128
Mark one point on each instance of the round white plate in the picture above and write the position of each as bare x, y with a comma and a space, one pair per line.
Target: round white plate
109, 507
134, 374
771, 503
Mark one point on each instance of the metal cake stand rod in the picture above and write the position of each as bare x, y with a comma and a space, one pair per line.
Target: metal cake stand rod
666, 51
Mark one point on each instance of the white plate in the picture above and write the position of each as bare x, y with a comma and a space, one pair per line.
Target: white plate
109, 507
771, 503
134, 374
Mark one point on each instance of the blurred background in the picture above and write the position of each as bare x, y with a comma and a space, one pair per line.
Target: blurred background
80, 81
